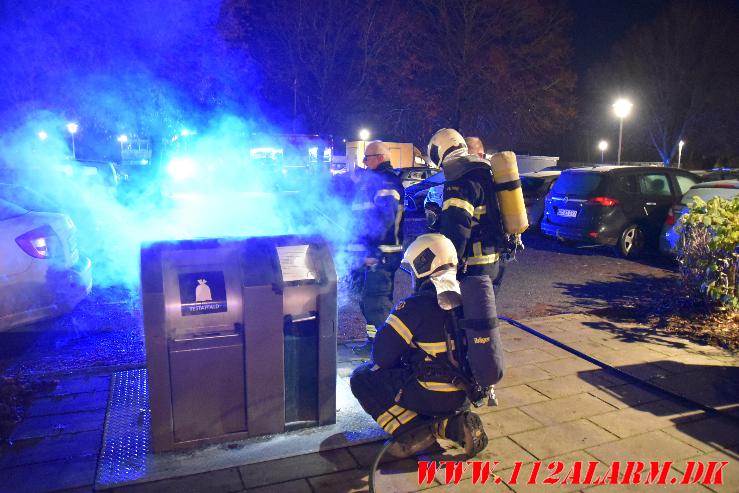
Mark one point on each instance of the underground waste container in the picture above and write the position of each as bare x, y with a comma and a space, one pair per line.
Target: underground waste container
240, 337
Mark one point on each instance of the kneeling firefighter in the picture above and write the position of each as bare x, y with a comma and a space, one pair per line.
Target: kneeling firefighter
422, 375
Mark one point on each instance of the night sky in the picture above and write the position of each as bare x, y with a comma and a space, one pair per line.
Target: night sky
599, 24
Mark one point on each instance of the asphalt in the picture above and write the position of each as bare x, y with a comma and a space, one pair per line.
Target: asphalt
641, 395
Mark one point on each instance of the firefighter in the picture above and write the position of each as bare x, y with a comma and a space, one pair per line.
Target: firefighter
391, 387
475, 147
378, 248
470, 218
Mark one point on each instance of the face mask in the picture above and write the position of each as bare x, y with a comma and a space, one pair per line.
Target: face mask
448, 294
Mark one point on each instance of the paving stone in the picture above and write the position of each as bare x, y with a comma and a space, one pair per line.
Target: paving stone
566, 366
507, 422
526, 357
365, 454
526, 470
279, 471
525, 341
57, 424
575, 384
639, 419
622, 396
517, 395
638, 488
297, 486
730, 472
400, 476
62, 447
90, 401
562, 438
712, 386
78, 473
655, 445
707, 434
629, 354
503, 450
644, 371
521, 374
223, 481
566, 409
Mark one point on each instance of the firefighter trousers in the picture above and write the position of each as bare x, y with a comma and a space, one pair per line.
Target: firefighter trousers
395, 399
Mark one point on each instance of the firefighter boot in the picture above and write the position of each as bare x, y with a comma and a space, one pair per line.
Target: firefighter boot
466, 430
410, 443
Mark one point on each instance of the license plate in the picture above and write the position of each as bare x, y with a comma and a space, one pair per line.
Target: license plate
567, 212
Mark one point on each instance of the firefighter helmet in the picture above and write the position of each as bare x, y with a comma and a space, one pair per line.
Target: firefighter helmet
429, 254
444, 142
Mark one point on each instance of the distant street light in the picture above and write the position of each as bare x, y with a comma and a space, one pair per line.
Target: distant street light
622, 108
122, 139
364, 134
42, 135
680, 152
72, 129
602, 145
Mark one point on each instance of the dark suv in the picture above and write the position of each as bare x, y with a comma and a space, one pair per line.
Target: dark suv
622, 206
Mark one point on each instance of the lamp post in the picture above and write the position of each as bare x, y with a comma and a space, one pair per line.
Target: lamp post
602, 145
72, 129
122, 139
679, 152
622, 108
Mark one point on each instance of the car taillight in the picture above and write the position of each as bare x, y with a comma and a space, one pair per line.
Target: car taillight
40, 243
604, 201
670, 218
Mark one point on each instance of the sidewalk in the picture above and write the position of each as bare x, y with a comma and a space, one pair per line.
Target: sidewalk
553, 406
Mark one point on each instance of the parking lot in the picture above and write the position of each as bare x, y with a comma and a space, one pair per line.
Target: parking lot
105, 331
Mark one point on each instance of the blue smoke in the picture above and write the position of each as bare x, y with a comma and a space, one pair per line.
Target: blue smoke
150, 69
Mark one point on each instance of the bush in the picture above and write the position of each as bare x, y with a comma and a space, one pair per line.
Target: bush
708, 252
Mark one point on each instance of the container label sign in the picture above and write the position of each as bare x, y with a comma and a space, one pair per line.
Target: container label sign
295, 263
202, 293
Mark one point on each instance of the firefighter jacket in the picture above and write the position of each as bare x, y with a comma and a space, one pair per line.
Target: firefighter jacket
470, 214
379, 205
415, 327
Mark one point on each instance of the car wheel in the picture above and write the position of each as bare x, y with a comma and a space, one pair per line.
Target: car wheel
631, 242
433, 212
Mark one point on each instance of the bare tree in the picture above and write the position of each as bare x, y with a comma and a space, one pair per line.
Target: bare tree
682, 72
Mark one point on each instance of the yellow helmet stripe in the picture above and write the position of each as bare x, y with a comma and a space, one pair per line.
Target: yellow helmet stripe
400, 328
462, 204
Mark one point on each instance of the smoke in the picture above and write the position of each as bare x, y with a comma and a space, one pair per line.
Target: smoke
150, 69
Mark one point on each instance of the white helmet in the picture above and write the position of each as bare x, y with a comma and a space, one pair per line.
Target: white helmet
429, 254
444, 142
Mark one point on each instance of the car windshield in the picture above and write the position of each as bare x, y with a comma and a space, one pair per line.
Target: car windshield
28, 199
577, 183
531, 185
8, 210
708, 193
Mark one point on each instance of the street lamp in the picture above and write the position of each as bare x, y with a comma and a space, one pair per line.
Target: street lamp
42, 135
679, 152
364, 134
602, 145
72, 129
622, 108
122, 139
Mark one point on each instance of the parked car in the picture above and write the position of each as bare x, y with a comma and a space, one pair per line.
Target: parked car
411, 176
669, 237
536, 186
719, 174
41, 272
620, 206
415, 194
